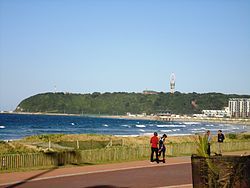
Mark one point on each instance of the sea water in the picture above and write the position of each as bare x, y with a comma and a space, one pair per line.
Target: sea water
16, 126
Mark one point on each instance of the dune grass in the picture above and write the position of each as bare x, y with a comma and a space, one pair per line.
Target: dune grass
37, 143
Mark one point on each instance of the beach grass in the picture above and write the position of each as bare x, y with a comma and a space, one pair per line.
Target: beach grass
52, 150
61, 142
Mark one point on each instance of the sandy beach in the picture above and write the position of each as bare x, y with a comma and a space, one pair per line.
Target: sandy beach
183, 118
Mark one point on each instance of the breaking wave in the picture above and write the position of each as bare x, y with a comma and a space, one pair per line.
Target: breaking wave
126, 126
161, 126
141, 130
140, 126
166, 131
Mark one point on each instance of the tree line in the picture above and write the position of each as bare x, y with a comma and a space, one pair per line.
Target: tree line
119, 103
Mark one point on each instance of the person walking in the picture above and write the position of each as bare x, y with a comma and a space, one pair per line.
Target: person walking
221, 138
162, 148
209, 140
154, 147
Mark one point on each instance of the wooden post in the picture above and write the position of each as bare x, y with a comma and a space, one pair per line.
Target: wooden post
110, 142
77, 144
171, 149
49, 144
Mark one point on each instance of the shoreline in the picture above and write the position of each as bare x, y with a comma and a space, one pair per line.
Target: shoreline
182, 119
151, 118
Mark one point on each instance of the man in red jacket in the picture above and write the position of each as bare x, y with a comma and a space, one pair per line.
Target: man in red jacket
154, 147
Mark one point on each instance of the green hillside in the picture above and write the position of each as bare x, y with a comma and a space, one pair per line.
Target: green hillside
119, 103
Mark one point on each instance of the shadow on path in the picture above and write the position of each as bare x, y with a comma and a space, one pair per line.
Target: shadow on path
104, 186
31, 178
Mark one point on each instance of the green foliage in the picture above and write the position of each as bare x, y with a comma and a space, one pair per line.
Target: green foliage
202, 146
119, 103
5, 147
14, 147
44, 138
246, 136
232, 136
91, 144
83, 145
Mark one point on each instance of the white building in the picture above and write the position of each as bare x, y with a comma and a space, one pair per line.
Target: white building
239, 107
215, 113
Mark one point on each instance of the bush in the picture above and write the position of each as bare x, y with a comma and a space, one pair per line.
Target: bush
232, 136
246, 136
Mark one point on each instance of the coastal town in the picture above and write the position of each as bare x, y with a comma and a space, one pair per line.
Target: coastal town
237, 111
124, 94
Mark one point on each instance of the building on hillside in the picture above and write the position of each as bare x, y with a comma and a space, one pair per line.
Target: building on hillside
239, 107
150, 92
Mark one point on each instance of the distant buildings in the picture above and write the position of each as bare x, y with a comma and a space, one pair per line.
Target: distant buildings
239, 107
164, 113
149, 92
215, 113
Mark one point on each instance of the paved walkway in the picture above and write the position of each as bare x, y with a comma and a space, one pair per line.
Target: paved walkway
122, 173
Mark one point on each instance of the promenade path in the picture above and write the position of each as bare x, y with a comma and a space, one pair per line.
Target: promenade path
175, 173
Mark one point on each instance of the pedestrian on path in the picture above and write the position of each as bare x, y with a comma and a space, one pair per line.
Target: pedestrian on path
221, 138
162, 147
209, 140
154, 147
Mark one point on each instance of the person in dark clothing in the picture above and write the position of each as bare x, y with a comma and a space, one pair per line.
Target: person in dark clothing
162, 148
154, 147
221, 138
209, 140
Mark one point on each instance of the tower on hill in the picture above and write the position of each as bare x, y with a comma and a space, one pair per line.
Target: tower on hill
172, 83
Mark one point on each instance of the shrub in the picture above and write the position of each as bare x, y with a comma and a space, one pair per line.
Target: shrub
232, 136
246, 136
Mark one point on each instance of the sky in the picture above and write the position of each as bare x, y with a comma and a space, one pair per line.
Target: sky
86, 46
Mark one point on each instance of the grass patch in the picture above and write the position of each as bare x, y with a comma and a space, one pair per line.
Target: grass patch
60, 142
15, 147
83, 145
232, 136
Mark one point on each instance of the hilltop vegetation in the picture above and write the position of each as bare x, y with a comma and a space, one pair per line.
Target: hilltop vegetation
119, 103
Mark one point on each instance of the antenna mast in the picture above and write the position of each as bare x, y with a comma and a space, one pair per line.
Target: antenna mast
172, 83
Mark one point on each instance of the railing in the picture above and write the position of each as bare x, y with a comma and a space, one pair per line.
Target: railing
16, 161
233, 146
189, 148
11, 162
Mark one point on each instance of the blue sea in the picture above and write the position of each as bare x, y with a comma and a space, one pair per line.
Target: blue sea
16, 126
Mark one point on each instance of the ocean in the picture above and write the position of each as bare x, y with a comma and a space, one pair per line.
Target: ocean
16, 126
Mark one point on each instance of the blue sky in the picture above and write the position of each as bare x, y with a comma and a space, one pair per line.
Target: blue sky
128, 45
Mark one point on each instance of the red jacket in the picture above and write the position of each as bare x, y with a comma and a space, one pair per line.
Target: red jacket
154, 141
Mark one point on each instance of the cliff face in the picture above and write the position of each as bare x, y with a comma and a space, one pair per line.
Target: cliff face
120, 103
